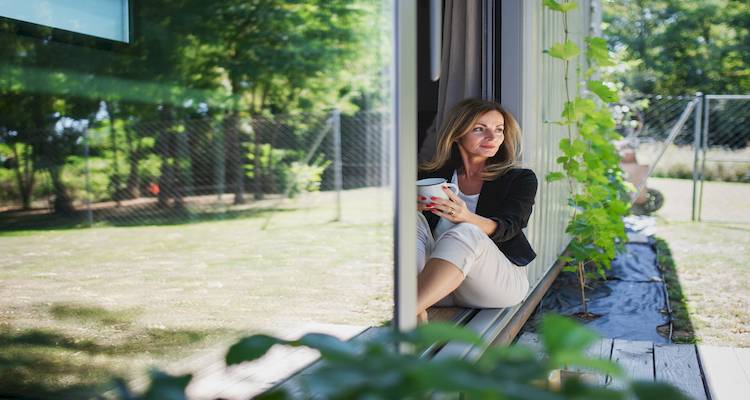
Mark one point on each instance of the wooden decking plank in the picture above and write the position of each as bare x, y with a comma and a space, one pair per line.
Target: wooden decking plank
292, 383
215, 380
677, 364
480, 323
724, 373
636, 359
532, 341
601, 349
743, 356
445, 314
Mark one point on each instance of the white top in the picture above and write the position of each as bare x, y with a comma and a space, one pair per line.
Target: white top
471, 203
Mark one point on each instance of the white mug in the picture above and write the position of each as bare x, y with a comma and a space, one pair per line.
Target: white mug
433, 187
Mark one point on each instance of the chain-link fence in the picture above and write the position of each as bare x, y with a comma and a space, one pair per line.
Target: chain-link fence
708, 150
171, 169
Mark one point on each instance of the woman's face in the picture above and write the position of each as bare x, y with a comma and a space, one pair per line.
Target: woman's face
485, 136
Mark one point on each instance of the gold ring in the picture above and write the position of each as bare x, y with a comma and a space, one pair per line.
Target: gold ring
451, 213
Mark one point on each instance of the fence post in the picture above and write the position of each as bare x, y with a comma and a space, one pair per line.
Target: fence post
89, 214
337, 177
696, 149
704, 147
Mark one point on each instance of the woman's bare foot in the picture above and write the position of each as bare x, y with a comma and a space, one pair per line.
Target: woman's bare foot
422, 317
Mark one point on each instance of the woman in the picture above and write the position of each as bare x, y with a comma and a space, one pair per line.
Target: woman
471, 248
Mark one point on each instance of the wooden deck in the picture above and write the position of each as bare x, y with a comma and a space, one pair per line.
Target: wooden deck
700, 371
212, 379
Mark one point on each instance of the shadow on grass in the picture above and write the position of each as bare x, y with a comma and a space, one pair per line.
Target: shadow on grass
682, 327
92, 314
54, 364
15, 220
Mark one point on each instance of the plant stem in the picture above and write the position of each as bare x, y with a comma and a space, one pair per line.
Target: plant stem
582, 284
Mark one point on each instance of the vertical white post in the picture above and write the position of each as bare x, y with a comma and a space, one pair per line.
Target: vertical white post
696, 150
405, 151
337, 176
89, 213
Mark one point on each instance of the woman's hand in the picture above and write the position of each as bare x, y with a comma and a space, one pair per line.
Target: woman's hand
454, 209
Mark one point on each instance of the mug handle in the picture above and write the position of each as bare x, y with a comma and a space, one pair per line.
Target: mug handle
453, 187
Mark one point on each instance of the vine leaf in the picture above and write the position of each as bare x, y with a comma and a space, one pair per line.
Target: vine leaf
598, 51
554, 176
564, 51
600, 89
562, 7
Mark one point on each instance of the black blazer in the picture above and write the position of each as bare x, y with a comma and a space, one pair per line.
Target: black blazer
506, 200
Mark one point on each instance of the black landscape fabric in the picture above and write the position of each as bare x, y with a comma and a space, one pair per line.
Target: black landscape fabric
632, 302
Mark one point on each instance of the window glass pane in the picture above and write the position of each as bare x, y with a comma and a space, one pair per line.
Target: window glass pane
101, 18
225, 173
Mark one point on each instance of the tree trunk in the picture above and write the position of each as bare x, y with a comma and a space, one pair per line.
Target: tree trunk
165, 149
133, 185
24, 175
63, 203
257, 166
234, 156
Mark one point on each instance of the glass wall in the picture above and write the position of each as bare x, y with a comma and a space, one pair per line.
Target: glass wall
224, 171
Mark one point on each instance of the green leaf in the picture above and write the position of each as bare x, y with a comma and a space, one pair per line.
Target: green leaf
554, 176
562, 7
564, 51
561, 335
606, 94
167, 387
251, 348
598, 52
596, 364
329, 346
443, 332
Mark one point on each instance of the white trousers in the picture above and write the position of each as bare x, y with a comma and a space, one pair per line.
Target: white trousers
491, 280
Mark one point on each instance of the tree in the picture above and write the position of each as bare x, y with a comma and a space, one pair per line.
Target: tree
678, 47
278, 57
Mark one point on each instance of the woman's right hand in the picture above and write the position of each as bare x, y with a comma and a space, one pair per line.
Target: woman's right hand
423, 204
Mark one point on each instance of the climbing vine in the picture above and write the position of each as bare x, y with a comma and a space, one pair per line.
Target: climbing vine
589, 160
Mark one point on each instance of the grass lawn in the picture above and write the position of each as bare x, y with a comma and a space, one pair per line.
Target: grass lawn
79, 306
712, 259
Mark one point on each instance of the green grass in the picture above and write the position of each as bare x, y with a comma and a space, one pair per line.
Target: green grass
682, 327
81, 306
710, 280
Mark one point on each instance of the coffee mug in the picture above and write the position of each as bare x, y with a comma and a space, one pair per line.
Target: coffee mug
433, 187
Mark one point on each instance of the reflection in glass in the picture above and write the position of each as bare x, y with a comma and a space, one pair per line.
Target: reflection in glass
225, 172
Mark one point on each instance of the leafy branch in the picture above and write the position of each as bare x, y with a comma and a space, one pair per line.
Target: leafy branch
590, 161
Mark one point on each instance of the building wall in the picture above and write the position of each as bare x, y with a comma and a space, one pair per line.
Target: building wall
533, 88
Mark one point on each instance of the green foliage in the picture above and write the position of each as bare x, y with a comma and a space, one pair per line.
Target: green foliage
590, 162
288, 174
606, 94
564, 51
680, 47
302, 177
562, 7
185, 63
374, 370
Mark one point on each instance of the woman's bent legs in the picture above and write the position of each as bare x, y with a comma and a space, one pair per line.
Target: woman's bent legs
491, 280
438, 279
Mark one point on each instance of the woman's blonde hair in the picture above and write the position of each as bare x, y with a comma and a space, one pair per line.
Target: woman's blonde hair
459, 122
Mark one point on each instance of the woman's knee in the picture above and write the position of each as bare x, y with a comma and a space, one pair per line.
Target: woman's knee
467, 230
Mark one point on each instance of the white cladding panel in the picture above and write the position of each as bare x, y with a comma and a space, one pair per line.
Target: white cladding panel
535, 93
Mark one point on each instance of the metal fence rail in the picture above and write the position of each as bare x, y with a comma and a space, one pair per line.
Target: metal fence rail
190, 167
713, 145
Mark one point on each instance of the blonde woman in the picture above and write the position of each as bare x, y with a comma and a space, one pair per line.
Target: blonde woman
471, 248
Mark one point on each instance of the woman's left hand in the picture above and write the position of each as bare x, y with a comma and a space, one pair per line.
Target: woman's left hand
454, 209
